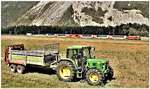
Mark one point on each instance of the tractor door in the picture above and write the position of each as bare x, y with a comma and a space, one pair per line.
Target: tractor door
77, 56
80, 57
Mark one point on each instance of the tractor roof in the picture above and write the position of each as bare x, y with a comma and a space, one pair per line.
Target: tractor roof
77, 46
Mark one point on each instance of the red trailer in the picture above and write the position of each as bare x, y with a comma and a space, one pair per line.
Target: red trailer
73, 36
134, 38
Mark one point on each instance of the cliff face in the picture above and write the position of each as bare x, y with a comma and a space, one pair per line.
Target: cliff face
104, 14
11, 10
44, 13
86, 13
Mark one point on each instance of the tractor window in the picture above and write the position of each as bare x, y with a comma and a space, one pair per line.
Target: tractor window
69, 53
87, 53
80, 53
75, 51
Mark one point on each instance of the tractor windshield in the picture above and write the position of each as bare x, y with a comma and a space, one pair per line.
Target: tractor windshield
87, 52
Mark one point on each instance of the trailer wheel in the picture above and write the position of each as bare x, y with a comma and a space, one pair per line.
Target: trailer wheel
20, 69
12, 67
65, 71
94, 77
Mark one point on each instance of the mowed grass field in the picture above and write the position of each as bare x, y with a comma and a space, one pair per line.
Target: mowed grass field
128, 58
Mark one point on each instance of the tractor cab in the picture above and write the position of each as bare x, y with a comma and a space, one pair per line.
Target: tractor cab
79, 51
79, 54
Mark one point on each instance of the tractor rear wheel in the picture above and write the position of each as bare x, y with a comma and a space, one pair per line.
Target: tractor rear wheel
20, 69
94, 77
65, 71
12, 67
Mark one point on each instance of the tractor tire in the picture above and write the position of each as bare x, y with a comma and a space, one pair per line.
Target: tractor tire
20, 69
12, 67
110, 73
94, 77
65, 71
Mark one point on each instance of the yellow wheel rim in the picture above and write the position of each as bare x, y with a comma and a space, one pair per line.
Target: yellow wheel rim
93, 77
65, 72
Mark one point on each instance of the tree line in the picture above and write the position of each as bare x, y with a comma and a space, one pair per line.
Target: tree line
124, 29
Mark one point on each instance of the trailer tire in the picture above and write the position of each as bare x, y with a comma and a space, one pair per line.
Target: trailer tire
20, 69
94, 77
65, 71
12, 67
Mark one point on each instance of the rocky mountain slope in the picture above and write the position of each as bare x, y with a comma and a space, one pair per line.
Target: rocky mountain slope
11, 10
86, 13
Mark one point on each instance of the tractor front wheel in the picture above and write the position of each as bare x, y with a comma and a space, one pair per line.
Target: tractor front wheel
94, 77
65, 71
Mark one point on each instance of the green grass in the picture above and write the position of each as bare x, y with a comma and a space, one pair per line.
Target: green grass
129, 59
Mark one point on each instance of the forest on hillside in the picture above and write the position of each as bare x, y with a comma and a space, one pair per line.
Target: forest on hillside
124, 29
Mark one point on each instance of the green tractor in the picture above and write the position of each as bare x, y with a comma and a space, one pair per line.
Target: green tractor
79, 63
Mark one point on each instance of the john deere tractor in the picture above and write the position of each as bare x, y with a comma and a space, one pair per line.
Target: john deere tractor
80, 63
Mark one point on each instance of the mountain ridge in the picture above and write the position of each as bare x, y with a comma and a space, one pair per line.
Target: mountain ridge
87, 13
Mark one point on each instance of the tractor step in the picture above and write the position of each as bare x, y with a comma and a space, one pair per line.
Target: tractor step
79, 74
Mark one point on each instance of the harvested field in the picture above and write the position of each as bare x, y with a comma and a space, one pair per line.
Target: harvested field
128, 58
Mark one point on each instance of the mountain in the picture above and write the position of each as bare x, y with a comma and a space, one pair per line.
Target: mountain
79, 13
11, 10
